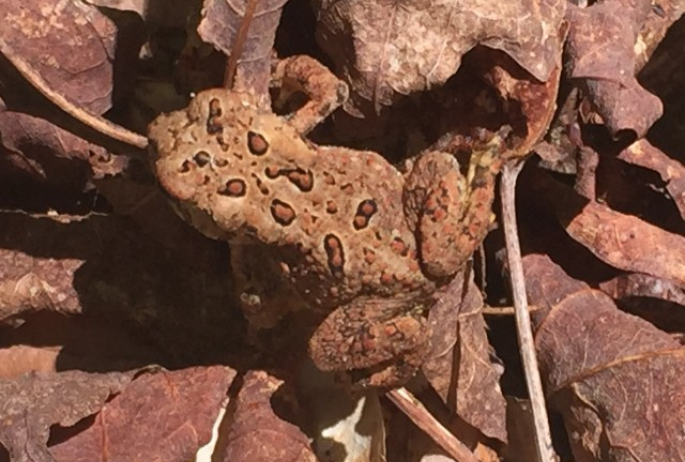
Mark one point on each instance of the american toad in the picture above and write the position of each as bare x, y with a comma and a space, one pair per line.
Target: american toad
335, 230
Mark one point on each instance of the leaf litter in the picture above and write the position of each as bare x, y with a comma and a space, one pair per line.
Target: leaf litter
90, 249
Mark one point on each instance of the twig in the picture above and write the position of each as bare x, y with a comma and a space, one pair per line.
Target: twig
96, 122
423, 419
238, 44
543, 439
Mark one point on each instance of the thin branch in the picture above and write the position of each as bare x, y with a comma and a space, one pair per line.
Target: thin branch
238, 44
423, 419
94, 121
543, 439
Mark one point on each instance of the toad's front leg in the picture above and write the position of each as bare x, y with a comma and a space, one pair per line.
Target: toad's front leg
305, 74
452, 213
382, 340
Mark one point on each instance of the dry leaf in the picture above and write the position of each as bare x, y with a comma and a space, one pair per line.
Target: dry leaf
104, 267
257, 433
36, 401
623, 241
46, 35
458, 365
613, 376
385, 49
644, 285
45, 152
221, 22
600, 49
672, 172
165, 416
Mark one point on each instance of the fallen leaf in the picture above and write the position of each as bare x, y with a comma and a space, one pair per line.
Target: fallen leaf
458, 365
220, 26
46, 34
164, 416
386, 49
672, 172
45, 152
623, 241
614, 377
643, 285
257, 433
600, 49
36, 401
102, 266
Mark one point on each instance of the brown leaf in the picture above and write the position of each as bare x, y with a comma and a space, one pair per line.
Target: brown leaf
459, 366
48, 153
221, 22
600, 49
104, 267
623, 241
46, 37
383, 49
614, 377
257, 433
20, 359
659, 301
535, 100
661, 17
643, 285
672, 172
164, 416
34, 402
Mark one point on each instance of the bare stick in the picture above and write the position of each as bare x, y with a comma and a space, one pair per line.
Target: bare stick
543, 438
96, 122
423, 419
238, 44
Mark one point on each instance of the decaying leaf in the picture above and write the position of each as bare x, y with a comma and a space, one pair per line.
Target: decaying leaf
46, 34
672, 172
643, 285
36, 401
220, 26
613, 376
103, 266
623, 241
459, 366
164, 416
601, 52
385, 49
47, 153
257, 432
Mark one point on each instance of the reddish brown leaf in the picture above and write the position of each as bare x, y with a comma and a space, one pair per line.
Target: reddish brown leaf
34, 402
103, 266
623, 241
659, 301
257, 433
48, 153
613, 376
600, 49
165, 416
20, 359
383, 49
536, 101
672, 172
221, 22
458, 365
46, 35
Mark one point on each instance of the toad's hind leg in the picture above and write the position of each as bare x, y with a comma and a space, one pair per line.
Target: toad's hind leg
382, 341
